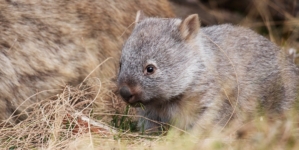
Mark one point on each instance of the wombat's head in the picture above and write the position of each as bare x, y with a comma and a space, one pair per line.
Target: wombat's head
158, 61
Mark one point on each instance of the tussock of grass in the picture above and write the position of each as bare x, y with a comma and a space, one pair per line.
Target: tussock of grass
55, 122
78, 118
58, 123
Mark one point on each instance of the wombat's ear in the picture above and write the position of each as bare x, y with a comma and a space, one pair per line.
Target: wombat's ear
189, 27
140, 16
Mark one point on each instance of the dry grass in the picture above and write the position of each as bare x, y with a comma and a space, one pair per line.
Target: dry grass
86, 117
91, 116
78, 118
55, 122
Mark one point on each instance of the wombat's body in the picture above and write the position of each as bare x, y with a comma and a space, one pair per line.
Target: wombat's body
47, 44
186, 75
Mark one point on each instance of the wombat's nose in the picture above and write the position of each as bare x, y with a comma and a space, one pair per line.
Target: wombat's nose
125, 93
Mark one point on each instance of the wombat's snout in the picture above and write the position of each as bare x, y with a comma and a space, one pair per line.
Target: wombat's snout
125, 93
128, 95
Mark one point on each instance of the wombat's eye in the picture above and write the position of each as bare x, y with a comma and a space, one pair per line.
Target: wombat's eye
149, 69
119, 65
119, 69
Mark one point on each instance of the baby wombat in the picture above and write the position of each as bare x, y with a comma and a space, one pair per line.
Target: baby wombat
185, 75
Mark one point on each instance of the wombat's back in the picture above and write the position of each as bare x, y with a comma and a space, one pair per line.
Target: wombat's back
251, 69
46, 44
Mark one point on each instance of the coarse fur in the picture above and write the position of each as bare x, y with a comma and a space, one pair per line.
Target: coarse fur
189, 76
47, 44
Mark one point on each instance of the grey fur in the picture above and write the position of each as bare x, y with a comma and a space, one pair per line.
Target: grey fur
221, 73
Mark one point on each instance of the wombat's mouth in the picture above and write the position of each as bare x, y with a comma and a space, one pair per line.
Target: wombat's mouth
141, 103
153, 101
138, 104
156, 101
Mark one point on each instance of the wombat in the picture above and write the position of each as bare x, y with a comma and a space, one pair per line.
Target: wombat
47, 44
178, 73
